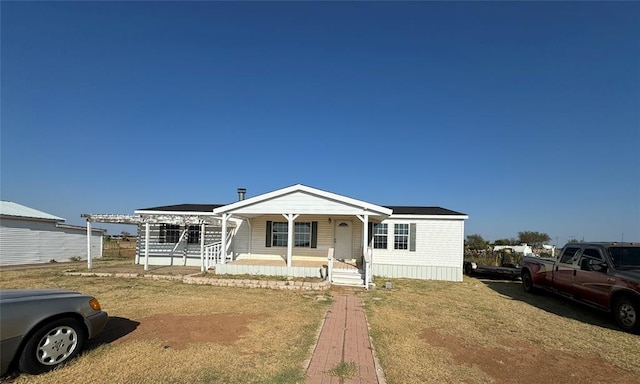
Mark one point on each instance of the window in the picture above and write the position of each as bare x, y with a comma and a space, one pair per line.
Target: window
169, 233
625, 257
380, 236
594, 253
567, 256
194, 234
305, 234
302, 235
279, 234
401, 236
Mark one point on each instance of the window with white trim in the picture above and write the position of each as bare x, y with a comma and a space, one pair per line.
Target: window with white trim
193, 234
380, 236
305, 234
401, 236
302, 235
279, 234
169, 233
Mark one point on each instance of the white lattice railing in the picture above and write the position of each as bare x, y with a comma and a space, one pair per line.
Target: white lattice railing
213, 252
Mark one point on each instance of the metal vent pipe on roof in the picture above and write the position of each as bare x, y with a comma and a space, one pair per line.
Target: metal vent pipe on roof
241, 193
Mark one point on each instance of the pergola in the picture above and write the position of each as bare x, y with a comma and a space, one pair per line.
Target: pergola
177, 218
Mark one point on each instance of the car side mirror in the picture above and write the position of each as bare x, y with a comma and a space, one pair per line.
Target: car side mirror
598, 265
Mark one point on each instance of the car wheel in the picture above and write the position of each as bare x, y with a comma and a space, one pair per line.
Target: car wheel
468, 269
527, 282
626, 312
52, 344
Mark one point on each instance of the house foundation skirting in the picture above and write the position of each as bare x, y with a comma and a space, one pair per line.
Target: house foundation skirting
423, 272
269, 270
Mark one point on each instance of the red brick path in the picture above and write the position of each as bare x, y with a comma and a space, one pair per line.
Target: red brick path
344, 337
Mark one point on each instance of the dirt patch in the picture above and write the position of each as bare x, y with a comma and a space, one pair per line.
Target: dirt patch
175, 331
515, 361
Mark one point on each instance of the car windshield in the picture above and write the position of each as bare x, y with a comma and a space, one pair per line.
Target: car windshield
625, 257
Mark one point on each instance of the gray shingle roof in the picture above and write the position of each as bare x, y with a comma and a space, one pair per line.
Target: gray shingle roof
397, 210
9, 208
412, 210
184, 208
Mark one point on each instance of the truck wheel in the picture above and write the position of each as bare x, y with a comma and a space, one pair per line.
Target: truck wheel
468, 269
527, 282
626, 312
52, 344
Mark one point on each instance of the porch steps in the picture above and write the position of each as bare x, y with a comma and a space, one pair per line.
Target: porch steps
347, 277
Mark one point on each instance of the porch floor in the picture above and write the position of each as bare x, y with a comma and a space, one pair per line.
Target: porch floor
295, 263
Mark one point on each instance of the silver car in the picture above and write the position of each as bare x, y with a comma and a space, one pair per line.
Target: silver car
43, 328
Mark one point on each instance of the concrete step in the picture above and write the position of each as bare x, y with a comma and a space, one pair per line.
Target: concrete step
348, 277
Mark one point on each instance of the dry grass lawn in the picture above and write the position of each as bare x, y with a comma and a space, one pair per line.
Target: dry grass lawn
476, 331
170, 332
488, 331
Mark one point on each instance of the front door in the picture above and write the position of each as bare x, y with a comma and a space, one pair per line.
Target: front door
344, 238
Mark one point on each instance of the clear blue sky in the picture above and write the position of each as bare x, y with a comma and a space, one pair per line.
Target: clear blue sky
523, 115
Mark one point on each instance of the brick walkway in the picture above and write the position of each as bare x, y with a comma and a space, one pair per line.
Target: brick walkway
344, 338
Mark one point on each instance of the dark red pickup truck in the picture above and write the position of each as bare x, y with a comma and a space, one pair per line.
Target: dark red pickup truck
605, 276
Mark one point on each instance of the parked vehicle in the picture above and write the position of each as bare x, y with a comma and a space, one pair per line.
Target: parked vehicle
43, 328
605, 276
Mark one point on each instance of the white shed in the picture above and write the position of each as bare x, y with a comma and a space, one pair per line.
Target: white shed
30, 236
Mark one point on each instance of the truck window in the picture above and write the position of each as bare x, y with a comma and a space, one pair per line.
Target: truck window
592, 252
625, 257
568, 254
590, 256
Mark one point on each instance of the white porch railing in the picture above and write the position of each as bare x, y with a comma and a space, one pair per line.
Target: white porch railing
213, 252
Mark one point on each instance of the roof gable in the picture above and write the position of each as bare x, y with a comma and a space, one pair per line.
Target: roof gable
302, 199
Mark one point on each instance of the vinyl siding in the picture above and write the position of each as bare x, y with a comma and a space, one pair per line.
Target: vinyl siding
423, 272
302, 203
438, 243
24, 241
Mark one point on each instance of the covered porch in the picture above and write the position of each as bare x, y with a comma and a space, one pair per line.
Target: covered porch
302, 223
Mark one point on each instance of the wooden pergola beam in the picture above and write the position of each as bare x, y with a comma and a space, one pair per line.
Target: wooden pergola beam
153, 219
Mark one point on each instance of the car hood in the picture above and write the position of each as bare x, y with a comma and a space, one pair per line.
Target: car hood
12, 294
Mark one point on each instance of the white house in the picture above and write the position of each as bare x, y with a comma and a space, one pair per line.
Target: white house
294, 230
30, 236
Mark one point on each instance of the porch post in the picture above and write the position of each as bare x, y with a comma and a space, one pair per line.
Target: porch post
89, 263
290, 219
147, 232
223, 244
365, 234
202, 229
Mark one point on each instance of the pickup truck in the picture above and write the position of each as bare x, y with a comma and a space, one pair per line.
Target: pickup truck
605, 276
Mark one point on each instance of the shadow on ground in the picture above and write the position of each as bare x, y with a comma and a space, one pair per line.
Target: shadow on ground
551, 303
116, 328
